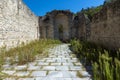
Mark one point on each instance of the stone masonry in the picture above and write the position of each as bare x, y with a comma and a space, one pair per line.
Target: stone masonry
17, 23
105, 26
63, 25
56, 25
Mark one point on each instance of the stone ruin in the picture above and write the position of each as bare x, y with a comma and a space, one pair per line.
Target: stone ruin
104, 28
64, 25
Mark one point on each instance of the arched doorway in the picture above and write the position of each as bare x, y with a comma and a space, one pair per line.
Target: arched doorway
61, 28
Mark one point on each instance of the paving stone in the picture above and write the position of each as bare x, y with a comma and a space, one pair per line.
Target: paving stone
34, 68
63, 60
70, 74
62, 68
63, 79
73, 60
48, 68
73, 74
66, 74
53, 56
8, 72
7, 67
67, 64
61, 56
22, 67
38, 73
50, 61
47, 58
39, 78
26, 79
56, 64
22, 73
52, 72
67, 59
55, 74
40, 60
52, 78
81, 79
77, 64
43, 63
75, 67
56, 58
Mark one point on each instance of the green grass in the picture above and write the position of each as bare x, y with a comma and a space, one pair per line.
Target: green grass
105, 63
79, 74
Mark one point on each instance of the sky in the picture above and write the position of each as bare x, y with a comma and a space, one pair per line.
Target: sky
41, 7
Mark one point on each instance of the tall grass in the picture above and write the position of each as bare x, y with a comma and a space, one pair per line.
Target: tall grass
107, 68
26, 52
105, 63
2, 54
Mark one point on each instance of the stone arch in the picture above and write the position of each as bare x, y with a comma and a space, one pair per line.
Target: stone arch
61, 20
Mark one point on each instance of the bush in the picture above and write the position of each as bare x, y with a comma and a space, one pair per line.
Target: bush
75, 45
105, 63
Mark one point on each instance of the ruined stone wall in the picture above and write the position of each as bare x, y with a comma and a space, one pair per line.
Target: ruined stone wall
61, 22
46, 27
56, 25
63, 25
17, 23
80, 28
105, 26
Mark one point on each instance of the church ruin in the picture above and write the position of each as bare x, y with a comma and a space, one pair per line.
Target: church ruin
64, 25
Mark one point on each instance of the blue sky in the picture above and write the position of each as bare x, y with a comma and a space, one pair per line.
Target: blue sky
40, 7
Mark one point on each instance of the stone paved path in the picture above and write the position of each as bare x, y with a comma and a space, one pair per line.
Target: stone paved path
61, 64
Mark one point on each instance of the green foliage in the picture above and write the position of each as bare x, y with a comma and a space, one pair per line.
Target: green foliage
2, 54
91, 11
76, 46
106, 64
107, 67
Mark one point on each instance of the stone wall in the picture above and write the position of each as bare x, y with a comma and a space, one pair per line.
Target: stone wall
63, 25
17, 23
80, 26
105, 26
56, 25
